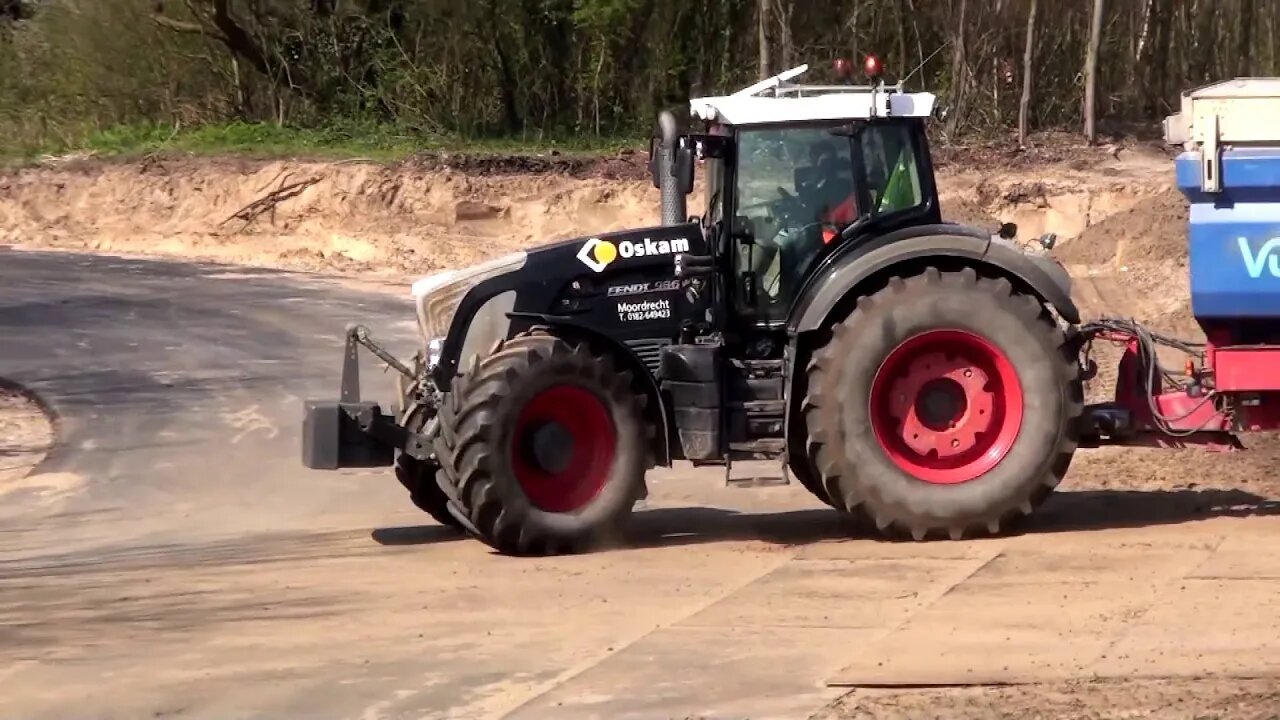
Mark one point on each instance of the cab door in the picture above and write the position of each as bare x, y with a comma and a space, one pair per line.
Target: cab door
795, 188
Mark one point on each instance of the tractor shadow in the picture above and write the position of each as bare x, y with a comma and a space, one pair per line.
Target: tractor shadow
416, 535
665, 527
1066, 511
1085, 510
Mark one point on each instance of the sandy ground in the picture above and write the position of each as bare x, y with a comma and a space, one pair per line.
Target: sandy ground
1145, 589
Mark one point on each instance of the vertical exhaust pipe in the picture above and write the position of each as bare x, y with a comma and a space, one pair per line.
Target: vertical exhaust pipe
674, 209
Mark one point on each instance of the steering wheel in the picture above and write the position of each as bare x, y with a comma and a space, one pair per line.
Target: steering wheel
790, 209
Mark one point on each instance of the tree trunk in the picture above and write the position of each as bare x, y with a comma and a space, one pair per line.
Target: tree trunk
1161, 44
1091, 73
762, 26
1244, 41
900, 26
783, 10
1204, 41
959, 64
915, 30
506, 77
1028, 52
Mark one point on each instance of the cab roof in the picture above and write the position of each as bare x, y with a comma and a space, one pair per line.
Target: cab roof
777, 100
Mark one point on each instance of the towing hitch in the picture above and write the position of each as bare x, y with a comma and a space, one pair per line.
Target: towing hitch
353, 433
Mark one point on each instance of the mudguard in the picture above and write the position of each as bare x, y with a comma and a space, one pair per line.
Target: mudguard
846, 270
662, 453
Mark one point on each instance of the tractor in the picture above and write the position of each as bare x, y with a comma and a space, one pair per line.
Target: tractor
921, 376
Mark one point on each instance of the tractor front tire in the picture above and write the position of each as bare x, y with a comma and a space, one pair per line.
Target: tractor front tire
543, 446
943, 405
419, 478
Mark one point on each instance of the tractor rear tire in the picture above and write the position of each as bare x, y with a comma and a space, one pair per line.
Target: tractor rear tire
944, 405
419, 478
543, 447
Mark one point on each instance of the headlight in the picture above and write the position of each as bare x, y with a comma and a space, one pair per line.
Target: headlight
435, 349
438, 296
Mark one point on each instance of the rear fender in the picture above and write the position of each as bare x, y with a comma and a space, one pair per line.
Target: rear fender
862, 268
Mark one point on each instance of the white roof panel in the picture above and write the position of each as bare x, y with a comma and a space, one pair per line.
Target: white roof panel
776, 101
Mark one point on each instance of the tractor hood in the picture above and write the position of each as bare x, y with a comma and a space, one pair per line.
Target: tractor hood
548, 284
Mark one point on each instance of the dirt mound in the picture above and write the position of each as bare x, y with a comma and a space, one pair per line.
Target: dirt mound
405, 218
443, 210
26, 434
967, 212
1154, 229
626, 165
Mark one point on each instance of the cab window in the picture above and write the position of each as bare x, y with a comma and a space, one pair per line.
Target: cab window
889, 161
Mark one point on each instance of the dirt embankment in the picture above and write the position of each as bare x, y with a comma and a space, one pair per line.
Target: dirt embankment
346, 217
414, 217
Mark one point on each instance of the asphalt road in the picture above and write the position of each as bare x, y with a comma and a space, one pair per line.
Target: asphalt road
179, 387
172, 558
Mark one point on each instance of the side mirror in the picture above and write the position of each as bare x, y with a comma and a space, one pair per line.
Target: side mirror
655, 146
684, 170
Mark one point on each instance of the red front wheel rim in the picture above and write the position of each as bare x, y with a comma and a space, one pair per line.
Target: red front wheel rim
563, 448
946, 406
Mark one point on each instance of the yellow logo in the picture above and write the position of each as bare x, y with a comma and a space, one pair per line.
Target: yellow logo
597, 254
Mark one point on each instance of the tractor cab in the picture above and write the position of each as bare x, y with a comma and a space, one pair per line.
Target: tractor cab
794, 174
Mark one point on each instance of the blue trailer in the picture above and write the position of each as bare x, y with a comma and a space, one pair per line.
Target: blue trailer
1229, 171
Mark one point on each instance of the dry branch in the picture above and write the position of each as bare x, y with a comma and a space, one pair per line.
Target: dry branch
177, 25
268, 203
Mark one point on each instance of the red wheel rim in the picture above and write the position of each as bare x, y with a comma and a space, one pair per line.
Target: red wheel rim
574, 414
946, 406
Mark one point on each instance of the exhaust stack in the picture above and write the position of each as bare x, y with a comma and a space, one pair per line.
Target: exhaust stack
674, 208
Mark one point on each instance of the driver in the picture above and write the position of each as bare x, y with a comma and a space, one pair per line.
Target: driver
834, 196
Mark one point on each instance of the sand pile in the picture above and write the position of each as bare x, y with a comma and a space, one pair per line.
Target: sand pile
335, 216
1153, 230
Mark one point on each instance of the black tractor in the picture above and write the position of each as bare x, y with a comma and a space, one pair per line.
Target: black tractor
915, 373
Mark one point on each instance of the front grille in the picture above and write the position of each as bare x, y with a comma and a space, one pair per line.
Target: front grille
649, 352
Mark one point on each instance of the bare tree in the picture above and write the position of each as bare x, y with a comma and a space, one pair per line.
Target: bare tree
959, 71
1091, 73
783, 10
762, 26
1028, 52
1244, 41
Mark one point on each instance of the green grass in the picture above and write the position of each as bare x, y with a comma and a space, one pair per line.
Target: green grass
376, 142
